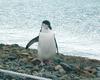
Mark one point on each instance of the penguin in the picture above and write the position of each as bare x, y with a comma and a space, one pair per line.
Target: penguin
47, 44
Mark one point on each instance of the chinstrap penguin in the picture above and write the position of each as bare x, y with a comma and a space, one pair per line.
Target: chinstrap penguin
47, 44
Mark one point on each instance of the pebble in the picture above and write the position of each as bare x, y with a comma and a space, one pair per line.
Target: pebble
30, 64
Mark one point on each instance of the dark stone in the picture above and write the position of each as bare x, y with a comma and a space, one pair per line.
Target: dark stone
1, 46
29, 66
68, 68
12, 57
98, 67
15, 45
36, 61
98, 73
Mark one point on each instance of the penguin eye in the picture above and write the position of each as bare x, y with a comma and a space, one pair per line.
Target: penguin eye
44, 26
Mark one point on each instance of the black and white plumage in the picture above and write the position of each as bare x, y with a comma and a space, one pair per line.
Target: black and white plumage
47, 45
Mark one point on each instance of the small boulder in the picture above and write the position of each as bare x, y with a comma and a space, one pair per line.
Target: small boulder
62, 71
58, 67
68, 67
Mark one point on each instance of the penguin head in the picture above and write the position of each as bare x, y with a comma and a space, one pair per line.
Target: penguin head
46, 25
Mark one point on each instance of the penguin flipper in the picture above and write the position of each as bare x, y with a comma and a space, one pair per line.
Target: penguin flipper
36, 39
56, 45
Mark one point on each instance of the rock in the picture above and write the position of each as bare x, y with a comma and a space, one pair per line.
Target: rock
98, 74
90, 69
98, 71
74, 77
58, 67
98, 68
53, 77
36, 61
36, 68
29, 66
1, 66
65, 77
49, 67
68, 68
62, 71
12, 56
24, 54
14, 45
1, 46
57, 60
30, 58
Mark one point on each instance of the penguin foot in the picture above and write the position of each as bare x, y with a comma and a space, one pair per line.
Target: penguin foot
47, 61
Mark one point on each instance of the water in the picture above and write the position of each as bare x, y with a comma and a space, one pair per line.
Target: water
75, 22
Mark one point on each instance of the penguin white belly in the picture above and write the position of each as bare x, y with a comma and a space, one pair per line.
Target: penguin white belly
46, 46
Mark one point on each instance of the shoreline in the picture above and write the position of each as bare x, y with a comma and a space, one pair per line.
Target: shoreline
16, 58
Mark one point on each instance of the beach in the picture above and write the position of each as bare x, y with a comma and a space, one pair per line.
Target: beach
62, 67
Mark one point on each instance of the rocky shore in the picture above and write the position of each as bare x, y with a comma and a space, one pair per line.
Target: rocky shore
18, 59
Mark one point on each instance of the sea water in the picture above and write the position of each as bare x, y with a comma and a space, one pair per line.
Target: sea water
76, 24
